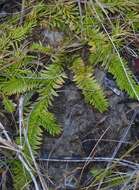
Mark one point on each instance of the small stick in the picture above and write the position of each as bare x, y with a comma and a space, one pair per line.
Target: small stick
21, 100
22, 12
89, 159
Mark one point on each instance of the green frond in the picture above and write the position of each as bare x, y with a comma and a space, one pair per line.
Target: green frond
119, 5
21, 176
132, 19
8, 104
4, 42
50, 123
92, 91
17, 85
99, 55
40, 116
54, 75
37, 11
38, 47
95, 35
34, 136
123, 76
63, 15
100, 47
19, 33
14, 34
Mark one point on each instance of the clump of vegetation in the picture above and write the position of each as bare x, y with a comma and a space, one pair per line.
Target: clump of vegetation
34, 65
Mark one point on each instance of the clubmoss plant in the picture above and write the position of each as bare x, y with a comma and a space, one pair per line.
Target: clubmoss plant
31, 67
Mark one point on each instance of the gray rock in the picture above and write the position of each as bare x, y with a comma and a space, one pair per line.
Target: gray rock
82, 127
53, 37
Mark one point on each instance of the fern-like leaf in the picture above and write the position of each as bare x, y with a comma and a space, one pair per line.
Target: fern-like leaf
8, 104
40, 116
123, 76
18, 85
19, 33
92, 91
21, 176
38, 47
53, 80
